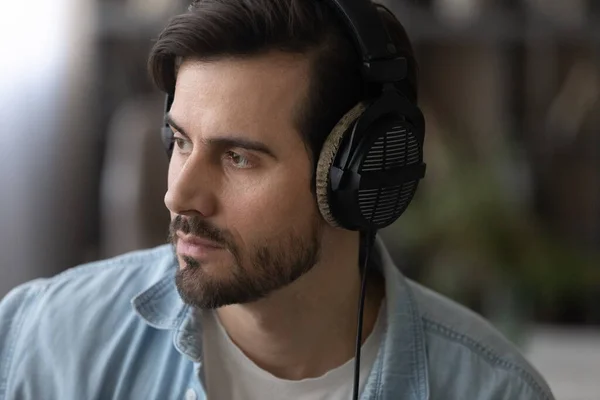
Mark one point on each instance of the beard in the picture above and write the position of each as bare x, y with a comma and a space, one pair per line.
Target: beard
264, 267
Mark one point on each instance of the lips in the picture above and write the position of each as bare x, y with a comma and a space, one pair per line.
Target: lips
196, 247
195, 240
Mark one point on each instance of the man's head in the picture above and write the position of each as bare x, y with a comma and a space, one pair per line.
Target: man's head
258, 86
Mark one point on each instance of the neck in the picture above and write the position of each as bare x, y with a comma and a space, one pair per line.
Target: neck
309, 327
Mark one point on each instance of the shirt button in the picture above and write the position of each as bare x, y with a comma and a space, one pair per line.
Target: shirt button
190, 395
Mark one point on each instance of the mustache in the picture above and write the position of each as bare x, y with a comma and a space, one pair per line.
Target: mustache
197, 226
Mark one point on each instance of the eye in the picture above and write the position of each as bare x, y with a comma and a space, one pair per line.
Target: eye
237, 160
183, 145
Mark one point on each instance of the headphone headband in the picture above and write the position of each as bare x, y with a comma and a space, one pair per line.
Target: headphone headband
378, 52
363, 19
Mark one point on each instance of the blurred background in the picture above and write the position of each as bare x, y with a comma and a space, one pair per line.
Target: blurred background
507, 221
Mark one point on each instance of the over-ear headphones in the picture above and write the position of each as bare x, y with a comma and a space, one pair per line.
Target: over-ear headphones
372, 161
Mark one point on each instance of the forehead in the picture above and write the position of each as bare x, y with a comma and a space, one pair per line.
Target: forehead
256, 96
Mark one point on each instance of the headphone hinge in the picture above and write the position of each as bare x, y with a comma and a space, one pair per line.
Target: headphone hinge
381, 71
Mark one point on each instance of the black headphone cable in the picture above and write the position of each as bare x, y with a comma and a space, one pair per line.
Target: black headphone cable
368, 244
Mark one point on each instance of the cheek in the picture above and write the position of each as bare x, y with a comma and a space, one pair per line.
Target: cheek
275, 204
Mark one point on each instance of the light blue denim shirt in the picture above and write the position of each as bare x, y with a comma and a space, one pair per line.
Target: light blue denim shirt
117, 329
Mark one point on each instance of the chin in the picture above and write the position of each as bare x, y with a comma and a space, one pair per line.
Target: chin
198, 287
208, 270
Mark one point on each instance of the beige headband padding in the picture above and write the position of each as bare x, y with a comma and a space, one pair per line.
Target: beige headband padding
328, 152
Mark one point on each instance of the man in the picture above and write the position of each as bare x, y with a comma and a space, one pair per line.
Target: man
256, 296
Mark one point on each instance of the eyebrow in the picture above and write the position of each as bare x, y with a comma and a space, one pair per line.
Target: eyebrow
225, 141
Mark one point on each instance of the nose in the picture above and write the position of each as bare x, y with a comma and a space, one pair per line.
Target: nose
191, 188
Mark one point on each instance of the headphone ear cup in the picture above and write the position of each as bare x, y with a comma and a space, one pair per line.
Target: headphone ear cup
167, 140
326, 158
166, 132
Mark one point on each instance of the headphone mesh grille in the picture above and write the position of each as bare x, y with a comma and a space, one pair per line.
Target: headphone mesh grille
389, 201
398, 147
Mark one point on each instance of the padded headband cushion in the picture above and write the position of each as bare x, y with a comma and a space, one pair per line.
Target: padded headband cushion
326, 158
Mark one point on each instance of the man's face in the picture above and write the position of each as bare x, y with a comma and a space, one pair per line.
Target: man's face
243, 218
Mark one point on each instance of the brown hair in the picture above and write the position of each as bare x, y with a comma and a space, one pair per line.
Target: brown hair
213, 29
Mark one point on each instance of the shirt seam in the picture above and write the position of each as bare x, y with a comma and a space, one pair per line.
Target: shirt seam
379, 373
419, 344
14, 335
486, 353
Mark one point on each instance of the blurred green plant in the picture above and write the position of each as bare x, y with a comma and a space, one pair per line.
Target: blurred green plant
476, 238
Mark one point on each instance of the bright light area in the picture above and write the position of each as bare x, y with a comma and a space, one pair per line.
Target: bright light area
33, 40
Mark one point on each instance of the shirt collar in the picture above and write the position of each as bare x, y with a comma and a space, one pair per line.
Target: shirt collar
403, 370
402, 360
160, 305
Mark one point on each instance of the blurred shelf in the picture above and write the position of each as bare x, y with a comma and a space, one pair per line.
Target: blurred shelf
492, 26
423, 25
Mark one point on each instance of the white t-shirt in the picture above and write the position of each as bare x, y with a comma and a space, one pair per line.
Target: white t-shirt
231, 375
